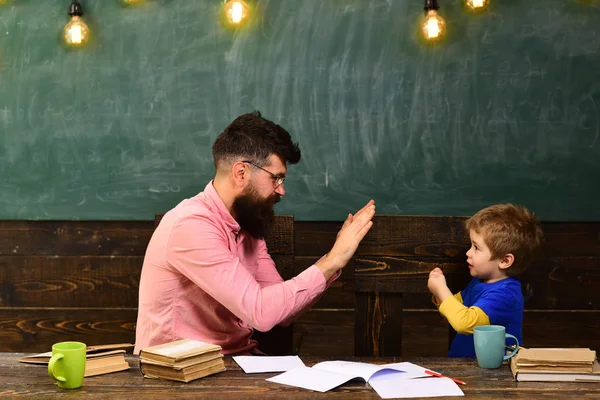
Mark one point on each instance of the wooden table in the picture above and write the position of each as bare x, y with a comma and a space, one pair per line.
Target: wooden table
26, 380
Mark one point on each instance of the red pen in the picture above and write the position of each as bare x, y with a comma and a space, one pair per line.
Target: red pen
432, 373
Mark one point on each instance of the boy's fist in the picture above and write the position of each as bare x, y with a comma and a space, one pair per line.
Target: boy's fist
436, 280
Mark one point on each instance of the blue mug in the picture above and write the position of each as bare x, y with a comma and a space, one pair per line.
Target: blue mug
490, 345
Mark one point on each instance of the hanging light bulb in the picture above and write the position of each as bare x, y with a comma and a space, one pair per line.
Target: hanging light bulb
433, 25
236, 11
76, 32
477, 4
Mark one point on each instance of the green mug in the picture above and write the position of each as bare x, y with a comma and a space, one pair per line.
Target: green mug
490, 345
67, 364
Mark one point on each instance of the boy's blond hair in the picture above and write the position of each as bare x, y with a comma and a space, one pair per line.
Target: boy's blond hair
508, 228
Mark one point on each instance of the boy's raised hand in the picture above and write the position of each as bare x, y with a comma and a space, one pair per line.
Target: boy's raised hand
436, 281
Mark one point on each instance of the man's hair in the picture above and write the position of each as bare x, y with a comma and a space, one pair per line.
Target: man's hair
508, 228
252, 137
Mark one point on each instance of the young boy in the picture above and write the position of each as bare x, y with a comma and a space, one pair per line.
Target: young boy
504, 240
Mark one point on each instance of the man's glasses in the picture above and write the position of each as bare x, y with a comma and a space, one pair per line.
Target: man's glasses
277, 179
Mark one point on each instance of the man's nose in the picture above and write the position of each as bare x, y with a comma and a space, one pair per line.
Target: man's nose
280, 190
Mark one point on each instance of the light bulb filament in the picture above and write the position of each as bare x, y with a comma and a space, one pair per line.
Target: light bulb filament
76, 34
433, 26
477, 4
236, 12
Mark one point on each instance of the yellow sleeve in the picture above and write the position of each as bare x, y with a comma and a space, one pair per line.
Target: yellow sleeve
463, 319
458, 297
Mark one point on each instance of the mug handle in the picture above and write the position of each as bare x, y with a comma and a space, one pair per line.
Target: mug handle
51, 364
514, 350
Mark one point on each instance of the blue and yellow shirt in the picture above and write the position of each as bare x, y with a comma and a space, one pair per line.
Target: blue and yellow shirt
498, 303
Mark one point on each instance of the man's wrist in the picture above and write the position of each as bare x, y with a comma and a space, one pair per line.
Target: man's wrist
328, 266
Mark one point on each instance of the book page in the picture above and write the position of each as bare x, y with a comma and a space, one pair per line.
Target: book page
356, 369
260, 364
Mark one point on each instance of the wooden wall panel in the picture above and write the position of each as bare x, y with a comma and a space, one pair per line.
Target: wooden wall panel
424, 333
558, 328
325, 332
314, 238
415, 236
66, 281
63, 279
36, 329
85, 281
378, 324
126, 238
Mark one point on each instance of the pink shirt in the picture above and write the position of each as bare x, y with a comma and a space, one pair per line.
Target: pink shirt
205, 279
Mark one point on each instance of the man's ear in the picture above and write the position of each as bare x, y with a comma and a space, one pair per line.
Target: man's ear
507, 261
241, 173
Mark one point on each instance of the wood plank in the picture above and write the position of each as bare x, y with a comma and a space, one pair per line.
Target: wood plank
84, 281
579, 239
328, 333
315, 238
280, 239
125, 238
378, 324
36, 329
402, 275
557, 328
558, 283
438, 236
424, 333
67, 281
563, 283
416, 236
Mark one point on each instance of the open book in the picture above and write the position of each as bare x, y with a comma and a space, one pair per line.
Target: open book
327, 375
100, 359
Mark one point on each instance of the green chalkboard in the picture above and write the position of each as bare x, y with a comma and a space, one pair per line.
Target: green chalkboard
507, 108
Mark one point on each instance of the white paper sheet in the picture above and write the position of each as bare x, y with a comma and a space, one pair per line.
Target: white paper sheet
259, 364
357, 369
310, 378
327, 375
409, 388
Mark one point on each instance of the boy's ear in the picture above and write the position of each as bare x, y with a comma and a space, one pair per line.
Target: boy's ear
507, 261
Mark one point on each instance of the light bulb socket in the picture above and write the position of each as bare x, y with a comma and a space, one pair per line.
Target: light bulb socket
431, 5
75, 9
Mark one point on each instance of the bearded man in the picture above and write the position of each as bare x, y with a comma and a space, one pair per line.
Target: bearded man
207, 273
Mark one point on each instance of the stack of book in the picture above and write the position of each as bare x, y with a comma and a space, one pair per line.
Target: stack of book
100, 359
182, 360
555, 364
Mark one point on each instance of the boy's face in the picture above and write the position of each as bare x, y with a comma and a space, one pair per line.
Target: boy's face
480, 263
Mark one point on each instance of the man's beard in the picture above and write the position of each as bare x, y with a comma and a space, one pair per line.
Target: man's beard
255, 214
